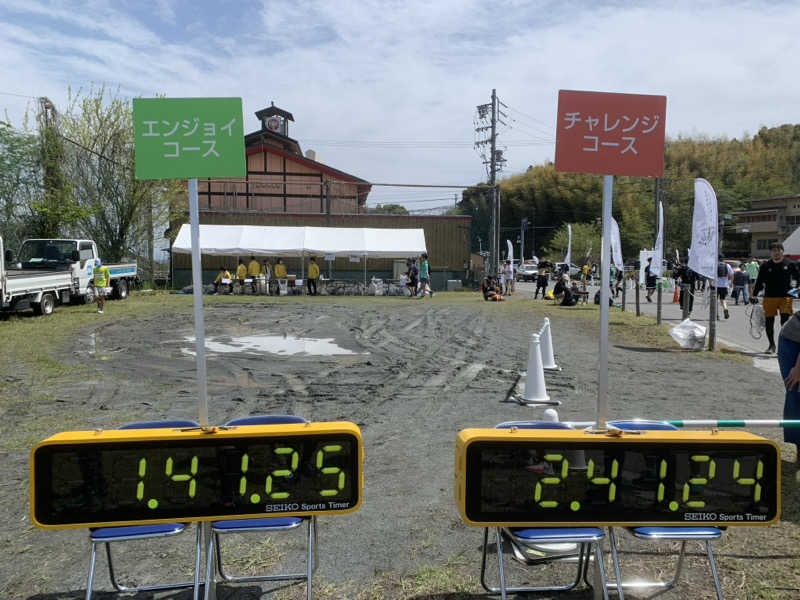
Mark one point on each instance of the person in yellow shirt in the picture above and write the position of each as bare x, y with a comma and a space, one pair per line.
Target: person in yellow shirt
102, 284
225, 275
313, 275
280, 269
253, 271
241, 272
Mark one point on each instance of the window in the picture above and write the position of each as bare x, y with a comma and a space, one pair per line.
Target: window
86, 251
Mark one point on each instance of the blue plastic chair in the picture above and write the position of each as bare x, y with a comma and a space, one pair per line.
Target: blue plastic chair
581, 538
263, 525
109, 535
655, 534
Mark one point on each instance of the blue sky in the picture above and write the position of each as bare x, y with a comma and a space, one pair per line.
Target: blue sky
386, 90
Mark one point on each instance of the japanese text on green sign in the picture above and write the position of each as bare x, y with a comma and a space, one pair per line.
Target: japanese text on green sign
179, 138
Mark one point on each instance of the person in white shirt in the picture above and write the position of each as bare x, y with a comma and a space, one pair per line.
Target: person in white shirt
723, 283
508, 277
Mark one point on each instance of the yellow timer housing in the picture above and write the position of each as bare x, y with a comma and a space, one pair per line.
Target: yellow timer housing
560, 477
142, 476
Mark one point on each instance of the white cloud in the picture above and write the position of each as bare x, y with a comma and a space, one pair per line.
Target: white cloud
415, 70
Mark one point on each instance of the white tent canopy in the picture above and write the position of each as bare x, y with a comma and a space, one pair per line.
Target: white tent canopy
241, 240
791, 245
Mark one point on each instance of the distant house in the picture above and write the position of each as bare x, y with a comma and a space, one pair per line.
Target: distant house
768, 221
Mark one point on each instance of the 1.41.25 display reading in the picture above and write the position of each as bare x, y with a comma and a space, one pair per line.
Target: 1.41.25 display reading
198, 478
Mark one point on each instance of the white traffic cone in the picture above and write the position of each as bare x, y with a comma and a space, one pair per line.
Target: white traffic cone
548, 360
535, 388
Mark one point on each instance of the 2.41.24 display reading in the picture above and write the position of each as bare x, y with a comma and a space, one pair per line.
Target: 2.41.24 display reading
547, 482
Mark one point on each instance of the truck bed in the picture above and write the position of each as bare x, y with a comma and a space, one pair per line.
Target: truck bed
15, 273
27, 282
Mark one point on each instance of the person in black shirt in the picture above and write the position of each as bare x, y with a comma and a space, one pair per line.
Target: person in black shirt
775, 277
649, 280
541, 283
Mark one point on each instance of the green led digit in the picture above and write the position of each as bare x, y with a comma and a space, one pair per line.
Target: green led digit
754, 481
609, 481
328, 470
244, 466
152, 502
168, 471
294, 461
560, 471
711, 472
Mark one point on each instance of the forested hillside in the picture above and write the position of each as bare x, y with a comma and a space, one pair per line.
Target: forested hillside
763, 165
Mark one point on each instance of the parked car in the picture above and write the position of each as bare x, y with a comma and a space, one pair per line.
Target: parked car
528, 271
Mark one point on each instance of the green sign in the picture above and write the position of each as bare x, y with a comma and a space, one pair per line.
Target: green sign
184, 138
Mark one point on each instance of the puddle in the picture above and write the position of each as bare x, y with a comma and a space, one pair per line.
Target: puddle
94, 350
272, 344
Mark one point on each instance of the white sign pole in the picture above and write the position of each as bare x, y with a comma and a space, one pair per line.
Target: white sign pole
197, 294
605, 270
200, 359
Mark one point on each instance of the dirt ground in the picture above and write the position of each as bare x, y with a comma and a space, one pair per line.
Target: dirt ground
418, 372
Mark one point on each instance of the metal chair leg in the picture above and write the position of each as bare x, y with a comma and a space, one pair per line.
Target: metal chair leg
142, 588
618, 584
310, 562
714, 569
600, 566
212, 541
92, 559
501, 566
198, 549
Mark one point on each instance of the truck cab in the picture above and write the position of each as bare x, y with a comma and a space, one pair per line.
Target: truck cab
76, 256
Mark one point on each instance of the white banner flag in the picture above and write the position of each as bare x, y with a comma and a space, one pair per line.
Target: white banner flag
616, 245
510, 252
568, 257
705, 234
657, 267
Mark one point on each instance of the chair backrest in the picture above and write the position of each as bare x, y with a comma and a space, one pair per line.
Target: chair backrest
642, 425
160, 424
266, 420
532, 425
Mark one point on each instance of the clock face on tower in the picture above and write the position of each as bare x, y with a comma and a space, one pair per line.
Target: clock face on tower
274, 124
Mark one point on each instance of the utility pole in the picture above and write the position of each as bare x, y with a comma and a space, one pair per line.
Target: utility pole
522, 227
495, 257
494, 161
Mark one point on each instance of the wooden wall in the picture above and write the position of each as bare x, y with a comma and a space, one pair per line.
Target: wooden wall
276, 183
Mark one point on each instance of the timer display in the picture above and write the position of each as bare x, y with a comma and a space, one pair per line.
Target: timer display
135, 476
531, 477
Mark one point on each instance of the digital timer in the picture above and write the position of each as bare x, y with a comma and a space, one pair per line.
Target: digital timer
138, 476
529, 477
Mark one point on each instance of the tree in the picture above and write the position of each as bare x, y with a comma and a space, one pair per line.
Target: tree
56, 209
585, 244
20, 183
387, 209
121, 213
476, 202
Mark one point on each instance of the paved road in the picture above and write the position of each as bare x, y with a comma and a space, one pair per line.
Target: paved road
733, 332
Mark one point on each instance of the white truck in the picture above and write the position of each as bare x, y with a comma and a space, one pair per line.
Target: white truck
51, 271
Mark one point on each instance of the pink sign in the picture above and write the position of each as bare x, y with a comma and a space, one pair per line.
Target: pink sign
610, 134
